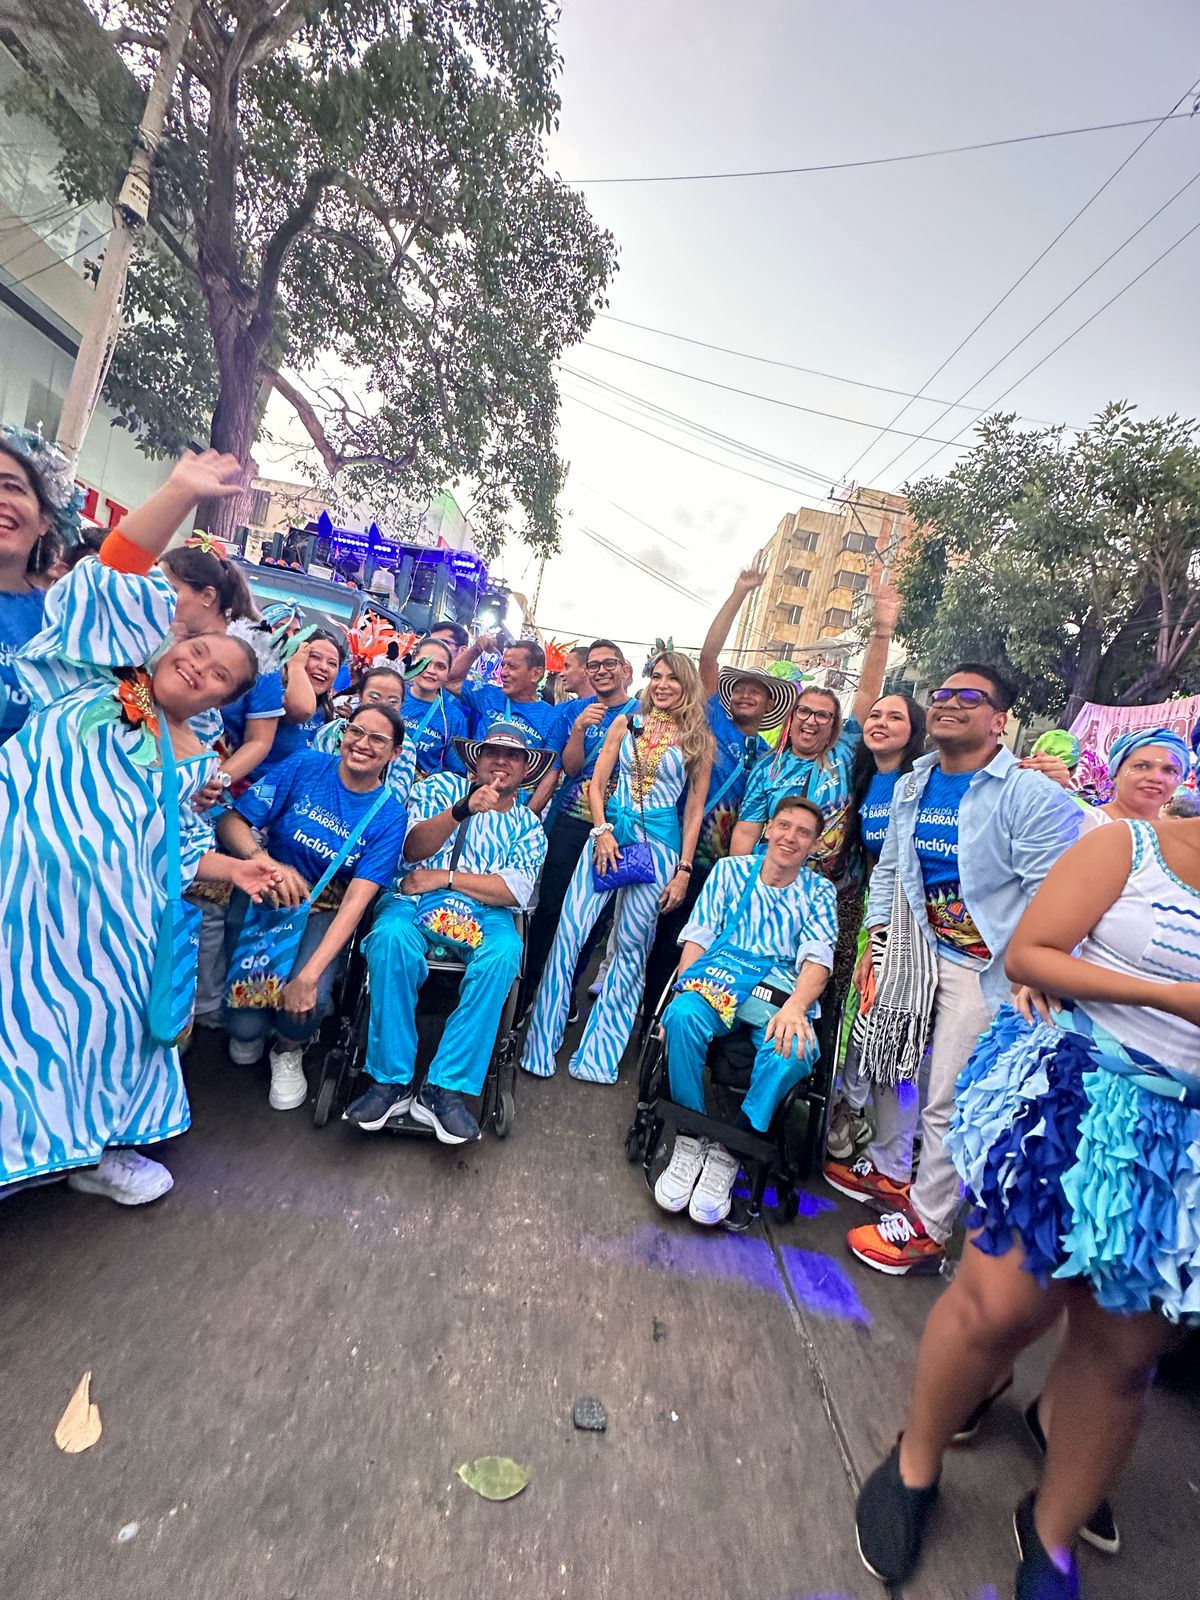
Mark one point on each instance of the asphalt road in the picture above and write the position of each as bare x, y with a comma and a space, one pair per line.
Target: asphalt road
295, 1350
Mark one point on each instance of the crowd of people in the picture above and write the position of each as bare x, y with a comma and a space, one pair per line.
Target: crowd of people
201, 808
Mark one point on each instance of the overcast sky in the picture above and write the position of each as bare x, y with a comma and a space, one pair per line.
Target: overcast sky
874, 274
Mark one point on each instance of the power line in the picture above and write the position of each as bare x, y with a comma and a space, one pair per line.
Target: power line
633, 516
773, 483
787, 366
697, 430
60, 261
749, 394
659, 577
1085, 323
999, 361
1036, 262
886, 161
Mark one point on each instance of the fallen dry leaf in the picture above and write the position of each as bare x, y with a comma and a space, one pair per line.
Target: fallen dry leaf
79, 1426
494, 1477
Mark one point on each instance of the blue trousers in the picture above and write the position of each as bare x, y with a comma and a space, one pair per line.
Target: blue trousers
396, 950
691, 1025
288, 1027
615, 1012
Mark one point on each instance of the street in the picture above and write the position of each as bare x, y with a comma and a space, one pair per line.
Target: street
294, 1352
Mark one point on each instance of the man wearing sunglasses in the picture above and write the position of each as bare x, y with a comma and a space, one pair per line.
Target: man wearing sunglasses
583, 725
972, 836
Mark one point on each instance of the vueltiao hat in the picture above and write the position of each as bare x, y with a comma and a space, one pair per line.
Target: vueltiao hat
507, 736
783, 693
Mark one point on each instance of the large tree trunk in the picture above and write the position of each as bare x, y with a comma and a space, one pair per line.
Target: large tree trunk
1084, 678
233, 431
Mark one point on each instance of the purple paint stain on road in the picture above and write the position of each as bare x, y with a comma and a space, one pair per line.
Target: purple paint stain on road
822, 1287
812, 1205
717, 1255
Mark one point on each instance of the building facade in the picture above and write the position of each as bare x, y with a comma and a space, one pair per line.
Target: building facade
50, 254
821, 566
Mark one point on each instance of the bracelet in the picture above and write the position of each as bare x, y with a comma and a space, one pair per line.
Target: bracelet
685, 867
449, 877
605, 827
461, 809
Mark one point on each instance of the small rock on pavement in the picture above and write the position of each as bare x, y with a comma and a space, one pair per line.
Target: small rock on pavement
590, 1415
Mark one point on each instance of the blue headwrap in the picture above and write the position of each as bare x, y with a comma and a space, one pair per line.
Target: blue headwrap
1138, 738
56, 474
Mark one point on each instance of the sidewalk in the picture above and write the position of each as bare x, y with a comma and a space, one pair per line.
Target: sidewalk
295, 1350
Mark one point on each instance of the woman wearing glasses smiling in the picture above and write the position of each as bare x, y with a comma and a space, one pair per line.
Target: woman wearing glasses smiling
309, 806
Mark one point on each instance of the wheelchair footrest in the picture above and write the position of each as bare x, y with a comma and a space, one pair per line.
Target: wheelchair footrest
757, 1147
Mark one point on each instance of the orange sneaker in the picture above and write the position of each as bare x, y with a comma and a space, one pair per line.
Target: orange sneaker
864, 1181
897, 1244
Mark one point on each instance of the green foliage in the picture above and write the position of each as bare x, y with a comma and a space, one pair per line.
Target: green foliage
1069, 564
359, 186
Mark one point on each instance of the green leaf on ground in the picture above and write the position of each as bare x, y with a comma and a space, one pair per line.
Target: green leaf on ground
494, 1477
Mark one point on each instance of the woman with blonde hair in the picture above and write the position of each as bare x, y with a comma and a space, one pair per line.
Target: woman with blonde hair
640, 852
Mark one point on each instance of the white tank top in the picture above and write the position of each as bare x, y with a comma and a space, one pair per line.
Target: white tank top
1152, 931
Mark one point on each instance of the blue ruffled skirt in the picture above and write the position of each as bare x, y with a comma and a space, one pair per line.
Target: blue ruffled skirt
1096, 1176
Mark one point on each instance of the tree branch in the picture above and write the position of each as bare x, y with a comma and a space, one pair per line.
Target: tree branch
270, 37
285, 236
332, 460
124, 35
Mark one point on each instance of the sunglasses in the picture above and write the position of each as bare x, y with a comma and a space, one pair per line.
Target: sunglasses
378, 742
971, 698
609, 664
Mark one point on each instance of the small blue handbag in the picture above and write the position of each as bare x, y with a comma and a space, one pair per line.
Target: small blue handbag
637, 859
177, 954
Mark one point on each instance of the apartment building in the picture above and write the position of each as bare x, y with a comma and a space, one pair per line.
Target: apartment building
821, 564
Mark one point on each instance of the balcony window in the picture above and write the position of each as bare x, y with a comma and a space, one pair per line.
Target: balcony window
856, 582
792, 616
802, 542
861, 542
836, 617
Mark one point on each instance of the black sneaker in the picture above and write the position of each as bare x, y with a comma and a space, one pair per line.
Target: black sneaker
889, 1521
377, 1104
1037, 1577
573, 1010
446, 1113
1100, 1530
972, 1425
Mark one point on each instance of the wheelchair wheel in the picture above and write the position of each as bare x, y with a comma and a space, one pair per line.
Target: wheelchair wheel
787, 1206
633, 1144
331, 1077
505, 1114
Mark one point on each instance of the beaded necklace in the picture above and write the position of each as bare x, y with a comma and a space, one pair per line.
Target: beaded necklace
660, 732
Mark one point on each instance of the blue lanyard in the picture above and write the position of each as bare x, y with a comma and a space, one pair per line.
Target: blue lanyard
743, 765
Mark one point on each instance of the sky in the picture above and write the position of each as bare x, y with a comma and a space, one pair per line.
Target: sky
874, 274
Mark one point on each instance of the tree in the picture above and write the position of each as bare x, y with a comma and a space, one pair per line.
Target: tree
359, 185
1070, 564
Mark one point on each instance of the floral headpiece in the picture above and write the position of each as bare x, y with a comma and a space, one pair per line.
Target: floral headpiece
201, 539
56, 475
661, 648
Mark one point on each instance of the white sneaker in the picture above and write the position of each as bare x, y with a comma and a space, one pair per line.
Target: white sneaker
246, 1052
123, 1176
675, 1184
711, 1200
289, 1086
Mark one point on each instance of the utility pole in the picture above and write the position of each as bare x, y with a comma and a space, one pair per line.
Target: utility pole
130, 213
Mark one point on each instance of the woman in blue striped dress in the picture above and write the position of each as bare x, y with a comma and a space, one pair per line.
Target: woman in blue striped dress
83, 855
656, 756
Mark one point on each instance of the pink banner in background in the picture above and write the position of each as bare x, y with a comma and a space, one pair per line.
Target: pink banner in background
1097, 726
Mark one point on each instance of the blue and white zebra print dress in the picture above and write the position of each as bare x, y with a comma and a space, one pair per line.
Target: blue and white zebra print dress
83, 888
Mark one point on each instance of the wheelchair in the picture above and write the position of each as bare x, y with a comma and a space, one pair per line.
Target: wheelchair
343, 1066
776, 1158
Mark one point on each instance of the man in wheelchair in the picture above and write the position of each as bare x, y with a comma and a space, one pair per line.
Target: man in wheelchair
472, 855
762, 923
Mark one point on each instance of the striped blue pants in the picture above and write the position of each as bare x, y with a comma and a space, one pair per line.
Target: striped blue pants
615, 1011
691, 1025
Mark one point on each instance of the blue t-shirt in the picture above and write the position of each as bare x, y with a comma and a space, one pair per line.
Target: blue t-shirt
487, 703
448, 721
876, 812
20, 620
935, 838
735, 754
570, 797
308, 814
263, 699
291, 738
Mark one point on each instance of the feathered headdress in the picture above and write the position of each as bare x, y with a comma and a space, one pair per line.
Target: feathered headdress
266, 646
556, 654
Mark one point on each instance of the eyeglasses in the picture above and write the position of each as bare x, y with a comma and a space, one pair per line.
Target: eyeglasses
609, 664
971, 698
807, 714
379, 742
